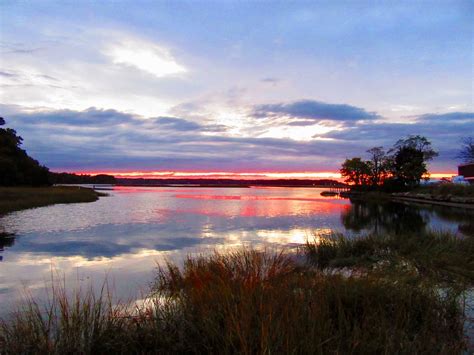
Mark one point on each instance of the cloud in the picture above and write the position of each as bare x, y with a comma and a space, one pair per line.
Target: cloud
270, 80
96, 139
145, 56
315, 110
447, 117
8, 74
443, 130
180, 124
17, 48
300, 123
92, 117
177, 124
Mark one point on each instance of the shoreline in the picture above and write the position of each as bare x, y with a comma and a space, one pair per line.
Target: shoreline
407, 197
21, 198
225, 186
433, 202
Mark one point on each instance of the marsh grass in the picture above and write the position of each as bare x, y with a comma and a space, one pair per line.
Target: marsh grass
440, 190
19, 198
242, 302
441, 258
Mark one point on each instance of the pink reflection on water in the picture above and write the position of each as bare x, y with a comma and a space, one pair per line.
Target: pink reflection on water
249, 198
263, 203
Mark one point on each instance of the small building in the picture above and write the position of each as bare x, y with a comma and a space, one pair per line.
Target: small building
467, 170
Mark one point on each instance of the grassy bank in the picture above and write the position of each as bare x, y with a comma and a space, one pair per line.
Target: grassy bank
19, 198
244, 302
440, 259
441, 190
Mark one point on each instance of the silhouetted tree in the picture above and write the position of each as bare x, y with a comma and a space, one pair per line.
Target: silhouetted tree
16, 167
408, 163
6, 240
377, 165
467, 151
356, 171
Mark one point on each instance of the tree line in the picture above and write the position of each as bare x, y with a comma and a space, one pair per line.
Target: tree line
400, 168
17, 168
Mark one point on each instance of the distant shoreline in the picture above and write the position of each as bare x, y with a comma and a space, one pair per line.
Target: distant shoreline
221, 186
230, 183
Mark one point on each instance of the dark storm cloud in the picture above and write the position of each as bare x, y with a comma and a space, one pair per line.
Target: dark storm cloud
315, 110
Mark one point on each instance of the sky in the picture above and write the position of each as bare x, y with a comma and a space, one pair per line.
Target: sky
234, 88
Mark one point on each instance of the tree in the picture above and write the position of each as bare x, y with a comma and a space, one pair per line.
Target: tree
377, 165
356, 171
466, 153
419, 143
408, 163
16, 167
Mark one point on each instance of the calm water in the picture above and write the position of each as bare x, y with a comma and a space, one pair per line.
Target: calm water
127, 233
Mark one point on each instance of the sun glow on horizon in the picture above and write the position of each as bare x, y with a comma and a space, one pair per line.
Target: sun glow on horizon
234, 175
216, 175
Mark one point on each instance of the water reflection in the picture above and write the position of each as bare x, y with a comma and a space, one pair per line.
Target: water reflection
6, 240
383, 218
394, 218
127, 233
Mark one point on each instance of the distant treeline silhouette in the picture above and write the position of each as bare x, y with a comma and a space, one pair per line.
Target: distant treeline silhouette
228, 182
68, 178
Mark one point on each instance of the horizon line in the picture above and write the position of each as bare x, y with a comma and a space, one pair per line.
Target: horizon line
226, 174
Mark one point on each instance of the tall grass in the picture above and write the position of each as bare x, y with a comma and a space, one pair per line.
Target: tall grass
18, 198
437, 257
242, 302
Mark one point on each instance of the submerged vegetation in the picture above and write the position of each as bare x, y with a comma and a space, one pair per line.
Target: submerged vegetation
248, 301
19, 198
